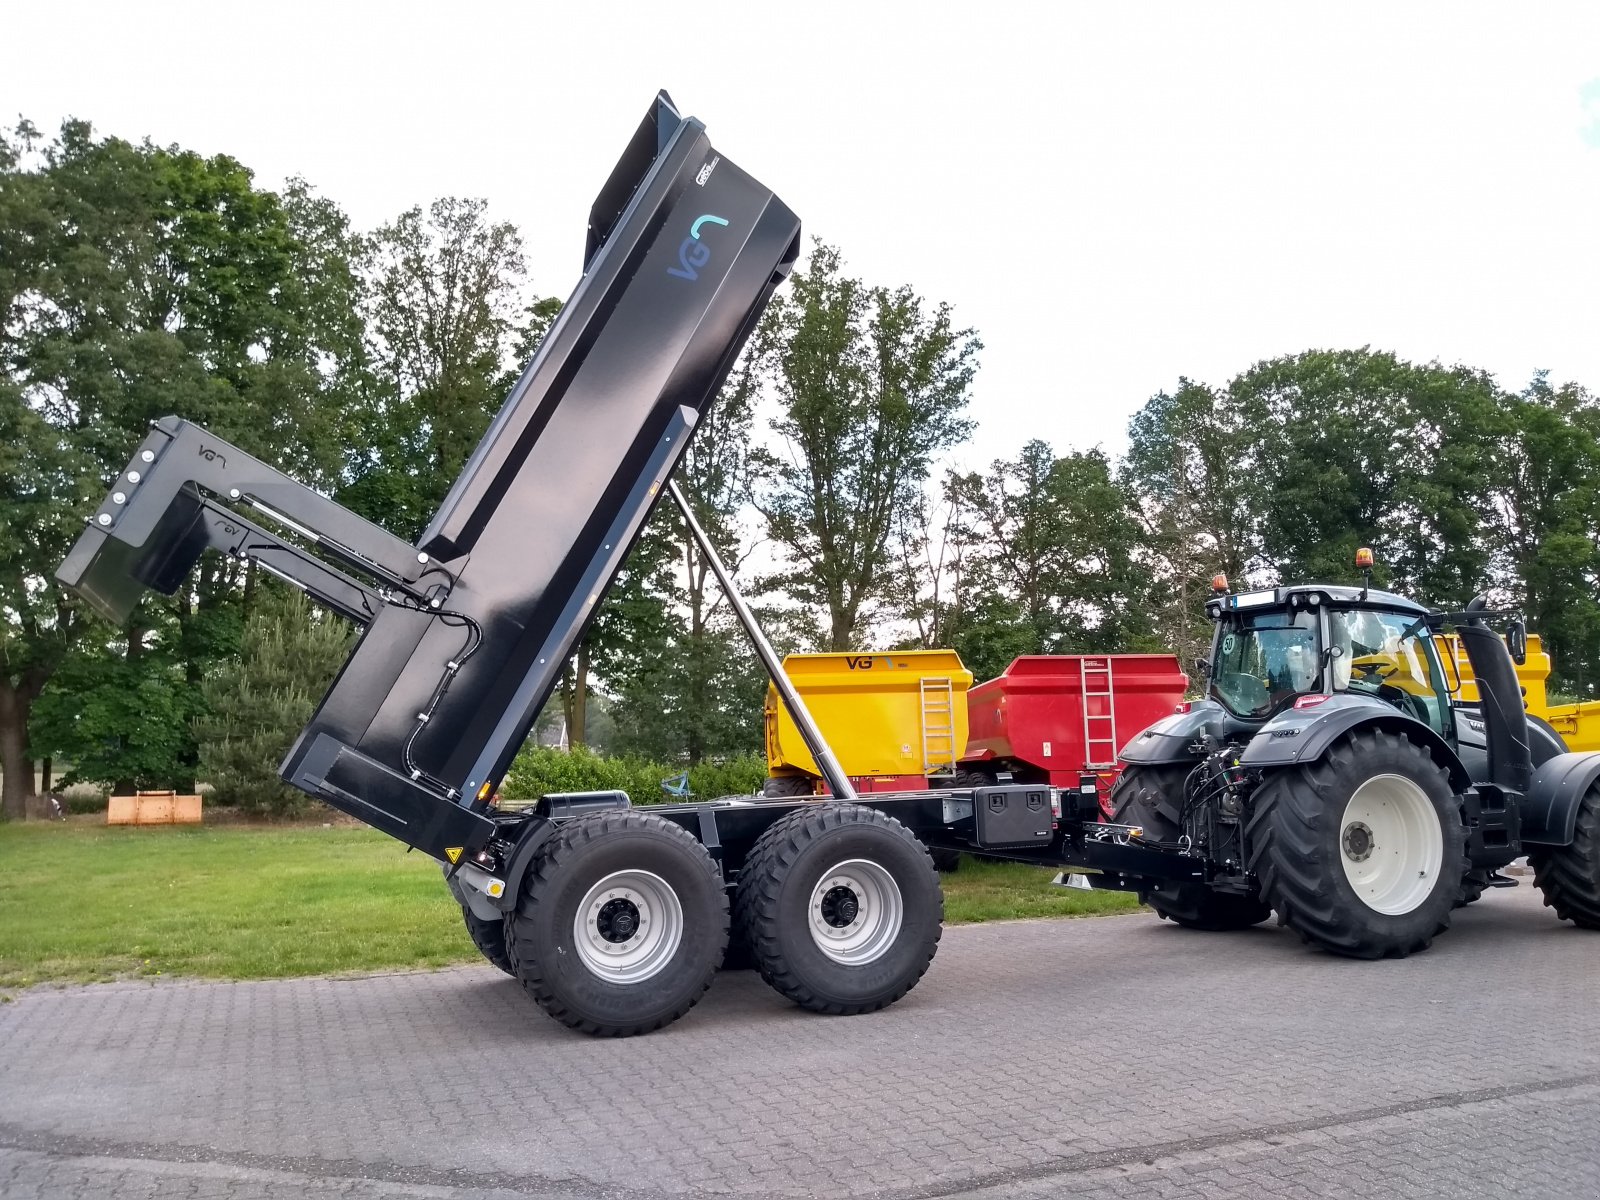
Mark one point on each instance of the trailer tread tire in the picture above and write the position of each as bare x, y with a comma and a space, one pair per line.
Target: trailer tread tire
1151, 797
490, 939
771, 907
579, 854
1569, 876
789, 787
1293, 837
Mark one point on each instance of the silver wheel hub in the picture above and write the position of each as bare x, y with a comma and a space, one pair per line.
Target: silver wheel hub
1391, 844
628, 926
855, 912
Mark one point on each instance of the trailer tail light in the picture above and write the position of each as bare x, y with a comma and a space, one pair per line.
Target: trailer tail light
1311, 701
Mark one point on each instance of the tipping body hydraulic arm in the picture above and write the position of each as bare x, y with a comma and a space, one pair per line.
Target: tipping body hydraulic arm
467, 631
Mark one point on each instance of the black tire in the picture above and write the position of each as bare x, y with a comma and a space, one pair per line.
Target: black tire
543, 938
1473, 884
773, 907
789, 787
1296, 851
1153, 797
490, 939
1569, 876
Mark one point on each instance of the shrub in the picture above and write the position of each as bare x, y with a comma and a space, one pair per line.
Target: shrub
539, 770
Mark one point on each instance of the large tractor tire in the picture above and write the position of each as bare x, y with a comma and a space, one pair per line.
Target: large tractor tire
490, 939
621, 925
1569, 876
792, 787
1363, 852
841, 906
1152, 797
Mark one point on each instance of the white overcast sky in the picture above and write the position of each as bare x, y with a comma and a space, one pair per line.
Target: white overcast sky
1114, 194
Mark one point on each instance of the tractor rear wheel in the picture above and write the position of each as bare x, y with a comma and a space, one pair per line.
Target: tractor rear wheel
490, 939
841, 907
1153, 797
621, 925
1569, 876
1362, 852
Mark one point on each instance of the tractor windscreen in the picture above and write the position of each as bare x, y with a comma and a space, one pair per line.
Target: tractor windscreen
1264, 659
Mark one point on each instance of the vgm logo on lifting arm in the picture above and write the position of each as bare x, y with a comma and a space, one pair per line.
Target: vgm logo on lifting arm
694, 253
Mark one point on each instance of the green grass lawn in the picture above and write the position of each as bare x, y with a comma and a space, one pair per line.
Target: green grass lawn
83, 902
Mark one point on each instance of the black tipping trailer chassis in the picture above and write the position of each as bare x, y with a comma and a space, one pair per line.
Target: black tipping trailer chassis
466, 633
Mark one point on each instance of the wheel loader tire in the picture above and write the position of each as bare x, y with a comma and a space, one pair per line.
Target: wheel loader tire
780, 787
841, 906
1569, 876
1362, 852
621, 925
490, 939
1152, 797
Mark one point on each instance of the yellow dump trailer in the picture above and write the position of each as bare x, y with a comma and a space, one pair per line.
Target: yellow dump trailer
1578, 724
893, 719
1531, 674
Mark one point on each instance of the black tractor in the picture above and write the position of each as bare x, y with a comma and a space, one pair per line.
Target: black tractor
1332, 774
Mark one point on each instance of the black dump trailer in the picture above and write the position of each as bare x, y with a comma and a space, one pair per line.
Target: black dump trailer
614, 918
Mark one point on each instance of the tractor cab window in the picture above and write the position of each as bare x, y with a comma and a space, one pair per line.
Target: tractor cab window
1391, 656
1264, 660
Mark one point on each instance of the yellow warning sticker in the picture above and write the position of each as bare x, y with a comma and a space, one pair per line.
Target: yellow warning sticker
453, 853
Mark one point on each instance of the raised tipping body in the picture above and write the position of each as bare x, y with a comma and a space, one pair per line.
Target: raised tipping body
467, 631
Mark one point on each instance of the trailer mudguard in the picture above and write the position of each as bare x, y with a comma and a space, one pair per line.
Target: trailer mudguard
469, 629
1304, 735
1550, 809
1169, 739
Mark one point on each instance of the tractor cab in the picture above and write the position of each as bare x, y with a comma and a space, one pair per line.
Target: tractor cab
1285, 647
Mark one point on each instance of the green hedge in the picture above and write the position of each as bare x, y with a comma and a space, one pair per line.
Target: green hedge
541, 770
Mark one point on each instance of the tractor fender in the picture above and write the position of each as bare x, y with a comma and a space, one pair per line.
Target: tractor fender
1304, 735
1550, 810
1169, 739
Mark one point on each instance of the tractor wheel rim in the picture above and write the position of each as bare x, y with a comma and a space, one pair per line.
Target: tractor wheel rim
628, 926
1391, 844
855, 912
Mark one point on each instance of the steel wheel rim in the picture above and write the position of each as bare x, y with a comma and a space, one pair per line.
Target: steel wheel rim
1391, 844
855, 936
628, 926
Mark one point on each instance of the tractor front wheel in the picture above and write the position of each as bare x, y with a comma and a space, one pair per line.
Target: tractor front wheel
1362, 852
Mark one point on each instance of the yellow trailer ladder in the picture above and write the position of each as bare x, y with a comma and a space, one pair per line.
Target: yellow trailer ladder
939, 747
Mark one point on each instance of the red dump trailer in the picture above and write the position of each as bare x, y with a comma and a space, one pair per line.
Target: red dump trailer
1057, 718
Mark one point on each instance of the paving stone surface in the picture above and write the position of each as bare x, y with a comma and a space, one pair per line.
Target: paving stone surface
1115, 1057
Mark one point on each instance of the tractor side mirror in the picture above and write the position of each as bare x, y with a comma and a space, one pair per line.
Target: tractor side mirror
1517, 642
1202, 668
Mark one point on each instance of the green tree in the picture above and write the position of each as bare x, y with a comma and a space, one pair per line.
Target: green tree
136, 281
443, 299
870, 384
1546, 502
255, 706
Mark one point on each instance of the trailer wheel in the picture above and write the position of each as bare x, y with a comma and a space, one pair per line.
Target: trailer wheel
490, 939
1363, 852
841, 906
621, 925
789, 786
1145, 796
1569, 876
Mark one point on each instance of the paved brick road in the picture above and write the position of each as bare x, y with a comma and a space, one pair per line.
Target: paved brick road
1118, 1057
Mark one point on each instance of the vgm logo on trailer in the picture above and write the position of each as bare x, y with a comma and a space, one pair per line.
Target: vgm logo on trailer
694, 253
